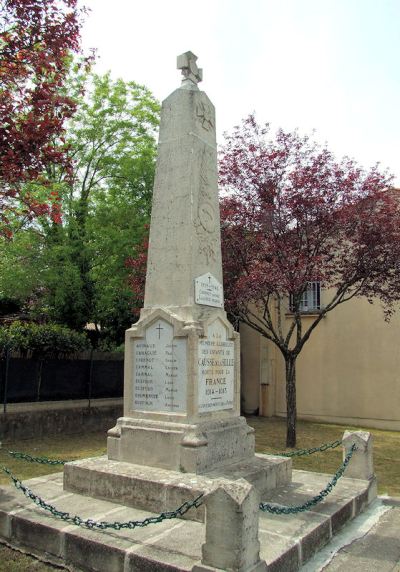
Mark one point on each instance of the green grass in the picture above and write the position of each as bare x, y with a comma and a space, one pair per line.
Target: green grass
270, 438
66, 447
14, 561
63, 447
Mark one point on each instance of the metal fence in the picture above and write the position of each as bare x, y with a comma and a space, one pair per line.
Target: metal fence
92, 376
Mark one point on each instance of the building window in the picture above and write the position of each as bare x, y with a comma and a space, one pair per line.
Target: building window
311, 299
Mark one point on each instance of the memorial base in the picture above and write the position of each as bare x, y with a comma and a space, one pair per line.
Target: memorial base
159, 490
186, 448
259, 567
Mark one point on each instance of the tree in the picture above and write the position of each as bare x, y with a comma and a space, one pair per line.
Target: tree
37, 40
79, 272
137, 266
112, 141
293, 215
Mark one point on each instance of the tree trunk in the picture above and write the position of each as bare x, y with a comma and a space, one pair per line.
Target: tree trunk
291, 412
39, 378
6, 380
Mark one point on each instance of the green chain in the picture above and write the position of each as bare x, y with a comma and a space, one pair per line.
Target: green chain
101, 525
30, 459
266, 507
180, 511
301, 452
46, 461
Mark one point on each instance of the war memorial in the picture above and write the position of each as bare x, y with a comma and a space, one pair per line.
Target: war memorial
181, 487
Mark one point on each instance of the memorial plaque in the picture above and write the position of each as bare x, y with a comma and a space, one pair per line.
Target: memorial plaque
216, 366
159, 370
208, 291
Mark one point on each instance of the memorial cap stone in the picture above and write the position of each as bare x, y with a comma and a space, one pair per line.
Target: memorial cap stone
187, 64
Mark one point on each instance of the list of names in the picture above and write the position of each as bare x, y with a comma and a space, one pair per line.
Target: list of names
159, 370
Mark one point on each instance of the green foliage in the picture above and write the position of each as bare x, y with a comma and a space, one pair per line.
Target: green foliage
112, 139
75, 272
20, 265
15, 338
41, 340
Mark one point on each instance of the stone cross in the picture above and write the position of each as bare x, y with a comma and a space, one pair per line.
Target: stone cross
187, 64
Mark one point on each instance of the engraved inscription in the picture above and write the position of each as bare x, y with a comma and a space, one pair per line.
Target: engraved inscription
159, 370
208, 291
216, 366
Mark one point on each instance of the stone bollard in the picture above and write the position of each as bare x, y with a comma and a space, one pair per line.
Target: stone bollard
232, 516
361, 464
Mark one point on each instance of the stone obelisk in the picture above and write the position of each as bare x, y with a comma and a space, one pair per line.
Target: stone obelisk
182, 387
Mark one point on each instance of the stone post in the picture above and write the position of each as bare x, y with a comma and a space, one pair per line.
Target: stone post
232, 516
361, 465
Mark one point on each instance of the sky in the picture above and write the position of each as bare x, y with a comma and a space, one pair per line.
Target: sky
326, 65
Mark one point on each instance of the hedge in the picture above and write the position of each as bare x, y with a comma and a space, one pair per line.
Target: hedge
41, 341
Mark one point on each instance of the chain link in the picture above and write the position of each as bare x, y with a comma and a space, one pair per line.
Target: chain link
180, 511
30, 459
46, 461
302, 452
266, 507
101, 525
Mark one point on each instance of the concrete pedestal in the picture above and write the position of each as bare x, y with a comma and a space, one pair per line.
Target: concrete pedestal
286, 543
154, 489
187, 448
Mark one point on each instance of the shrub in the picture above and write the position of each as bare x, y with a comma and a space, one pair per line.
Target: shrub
41, 340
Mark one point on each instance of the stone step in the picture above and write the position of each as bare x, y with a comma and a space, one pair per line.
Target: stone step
156, 489
287, 541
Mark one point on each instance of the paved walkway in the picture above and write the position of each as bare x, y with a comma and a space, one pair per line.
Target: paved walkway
378, 549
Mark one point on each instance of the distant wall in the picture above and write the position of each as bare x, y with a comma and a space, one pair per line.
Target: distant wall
36, 420
348, 372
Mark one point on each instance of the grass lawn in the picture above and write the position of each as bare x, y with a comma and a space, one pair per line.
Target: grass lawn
14, 561
56, 447
63, 447
270, 438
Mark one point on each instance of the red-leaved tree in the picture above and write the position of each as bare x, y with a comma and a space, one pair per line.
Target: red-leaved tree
294, 216
37, 39
137, 265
